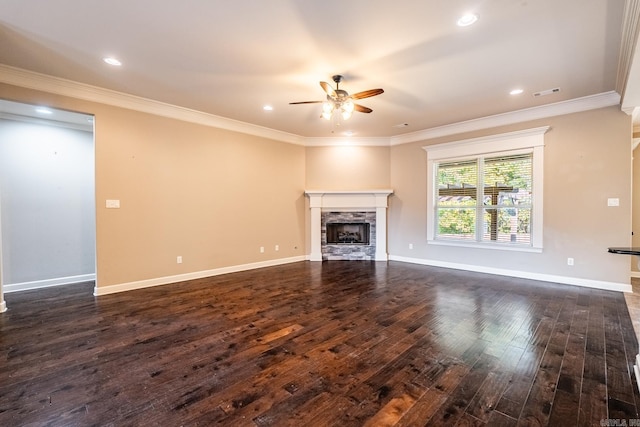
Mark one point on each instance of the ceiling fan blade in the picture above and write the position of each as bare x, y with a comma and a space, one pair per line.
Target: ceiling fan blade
362, 108
327, 88
306, 102
367, 93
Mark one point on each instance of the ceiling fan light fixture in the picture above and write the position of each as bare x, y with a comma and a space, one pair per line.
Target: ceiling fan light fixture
339, 101
327, 110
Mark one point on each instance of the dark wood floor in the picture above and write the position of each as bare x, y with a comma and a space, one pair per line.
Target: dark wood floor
320, 344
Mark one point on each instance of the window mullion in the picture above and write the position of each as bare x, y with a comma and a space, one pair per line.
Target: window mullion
480, 199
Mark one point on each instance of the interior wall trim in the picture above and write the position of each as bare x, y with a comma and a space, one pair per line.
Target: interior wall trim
565, 280
37, 81
629, 38
159, 281
3, 307
34, 120
31, 80
47, 283
592, 102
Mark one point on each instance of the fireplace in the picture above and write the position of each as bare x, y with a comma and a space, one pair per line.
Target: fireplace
365, 209
349, 233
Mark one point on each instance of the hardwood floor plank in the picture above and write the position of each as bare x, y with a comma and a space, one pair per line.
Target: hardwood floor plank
458, 401
537, 407
498, 419
486, 399
319, 344
423, 409
593, 403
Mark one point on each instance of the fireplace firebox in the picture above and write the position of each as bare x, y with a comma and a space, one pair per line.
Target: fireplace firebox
348, 233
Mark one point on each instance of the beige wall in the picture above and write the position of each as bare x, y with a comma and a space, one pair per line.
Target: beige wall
347, 168
214, 196
209, 195
587, 160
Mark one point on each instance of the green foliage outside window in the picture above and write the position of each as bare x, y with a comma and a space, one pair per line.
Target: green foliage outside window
505, 199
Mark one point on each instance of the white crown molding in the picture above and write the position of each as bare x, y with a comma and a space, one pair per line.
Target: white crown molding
28, 79
347, 141
31, 80
576, 105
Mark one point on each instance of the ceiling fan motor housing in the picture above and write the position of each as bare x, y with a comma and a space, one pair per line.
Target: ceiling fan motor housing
340, 94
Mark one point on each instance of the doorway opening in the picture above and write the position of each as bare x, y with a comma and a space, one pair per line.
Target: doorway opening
47, 197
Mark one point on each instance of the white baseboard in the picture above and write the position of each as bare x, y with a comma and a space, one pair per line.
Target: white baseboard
636, 371
576, 281
3, 306
123, 287
566, 280
58, 281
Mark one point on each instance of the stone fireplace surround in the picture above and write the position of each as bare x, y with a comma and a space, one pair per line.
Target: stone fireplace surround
375, 201
347, 251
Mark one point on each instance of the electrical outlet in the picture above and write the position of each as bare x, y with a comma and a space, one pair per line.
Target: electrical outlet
569, 261
261, 249
410, 245
277, 248
112, 204
179, 259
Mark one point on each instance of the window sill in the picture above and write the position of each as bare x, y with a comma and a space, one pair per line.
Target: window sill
494, 246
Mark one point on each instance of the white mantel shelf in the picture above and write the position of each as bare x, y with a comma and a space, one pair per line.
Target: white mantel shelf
374, 200
387, 191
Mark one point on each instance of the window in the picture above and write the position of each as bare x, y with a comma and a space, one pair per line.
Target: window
487, 199
487, 192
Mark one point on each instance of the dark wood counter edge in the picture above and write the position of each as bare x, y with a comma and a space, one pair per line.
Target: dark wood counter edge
625, 250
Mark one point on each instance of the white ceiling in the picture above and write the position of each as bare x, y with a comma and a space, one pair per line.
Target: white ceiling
229, 58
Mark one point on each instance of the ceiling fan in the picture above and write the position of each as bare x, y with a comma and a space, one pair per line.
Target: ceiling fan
339, 100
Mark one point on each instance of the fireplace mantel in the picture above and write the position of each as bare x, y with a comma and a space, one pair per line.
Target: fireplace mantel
372, 200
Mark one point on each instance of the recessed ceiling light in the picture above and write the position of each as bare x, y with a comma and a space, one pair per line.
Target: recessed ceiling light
468, 19
267, 108
349, 133
112, 61
516, 92
42, 110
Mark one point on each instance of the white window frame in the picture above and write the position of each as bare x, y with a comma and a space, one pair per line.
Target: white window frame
529, 140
